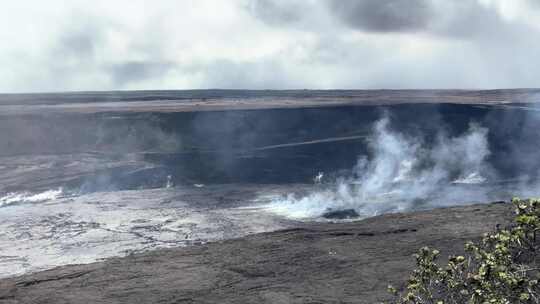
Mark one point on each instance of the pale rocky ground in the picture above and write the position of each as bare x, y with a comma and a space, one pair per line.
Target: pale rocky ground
313, 263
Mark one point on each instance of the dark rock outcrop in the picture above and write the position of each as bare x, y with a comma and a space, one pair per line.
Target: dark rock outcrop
314, 263
341, 214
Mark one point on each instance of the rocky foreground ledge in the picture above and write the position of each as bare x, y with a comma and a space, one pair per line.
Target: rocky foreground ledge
315, 263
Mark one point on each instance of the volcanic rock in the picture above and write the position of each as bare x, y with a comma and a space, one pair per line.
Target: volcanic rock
314, 263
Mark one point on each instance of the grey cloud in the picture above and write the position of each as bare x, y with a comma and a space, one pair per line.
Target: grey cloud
439, 44
74, 59
231, 74
82, 43
276, 13
383, 15
465, 19
81, 38
469, 19
132, 71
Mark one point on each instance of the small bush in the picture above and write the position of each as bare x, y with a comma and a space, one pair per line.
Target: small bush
502, 268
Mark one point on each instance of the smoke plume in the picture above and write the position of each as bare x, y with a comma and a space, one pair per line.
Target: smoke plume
403, 173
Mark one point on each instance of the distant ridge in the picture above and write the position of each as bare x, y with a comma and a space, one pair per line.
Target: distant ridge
511, 95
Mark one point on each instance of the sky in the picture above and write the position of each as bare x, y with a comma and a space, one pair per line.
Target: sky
88, 45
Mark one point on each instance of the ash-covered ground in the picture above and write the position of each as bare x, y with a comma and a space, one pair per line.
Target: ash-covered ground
81, 180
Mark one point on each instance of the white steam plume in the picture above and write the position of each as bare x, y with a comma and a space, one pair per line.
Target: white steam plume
402, 173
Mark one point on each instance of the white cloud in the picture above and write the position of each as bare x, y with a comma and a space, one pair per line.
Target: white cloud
102, 45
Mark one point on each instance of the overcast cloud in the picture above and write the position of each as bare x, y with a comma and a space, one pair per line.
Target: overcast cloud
277, 44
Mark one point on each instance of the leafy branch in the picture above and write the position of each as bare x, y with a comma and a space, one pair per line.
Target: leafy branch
501, 269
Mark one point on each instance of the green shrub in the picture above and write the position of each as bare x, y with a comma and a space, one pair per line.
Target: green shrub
502, 268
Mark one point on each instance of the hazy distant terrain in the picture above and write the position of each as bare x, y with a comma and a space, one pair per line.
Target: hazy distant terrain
208, 100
